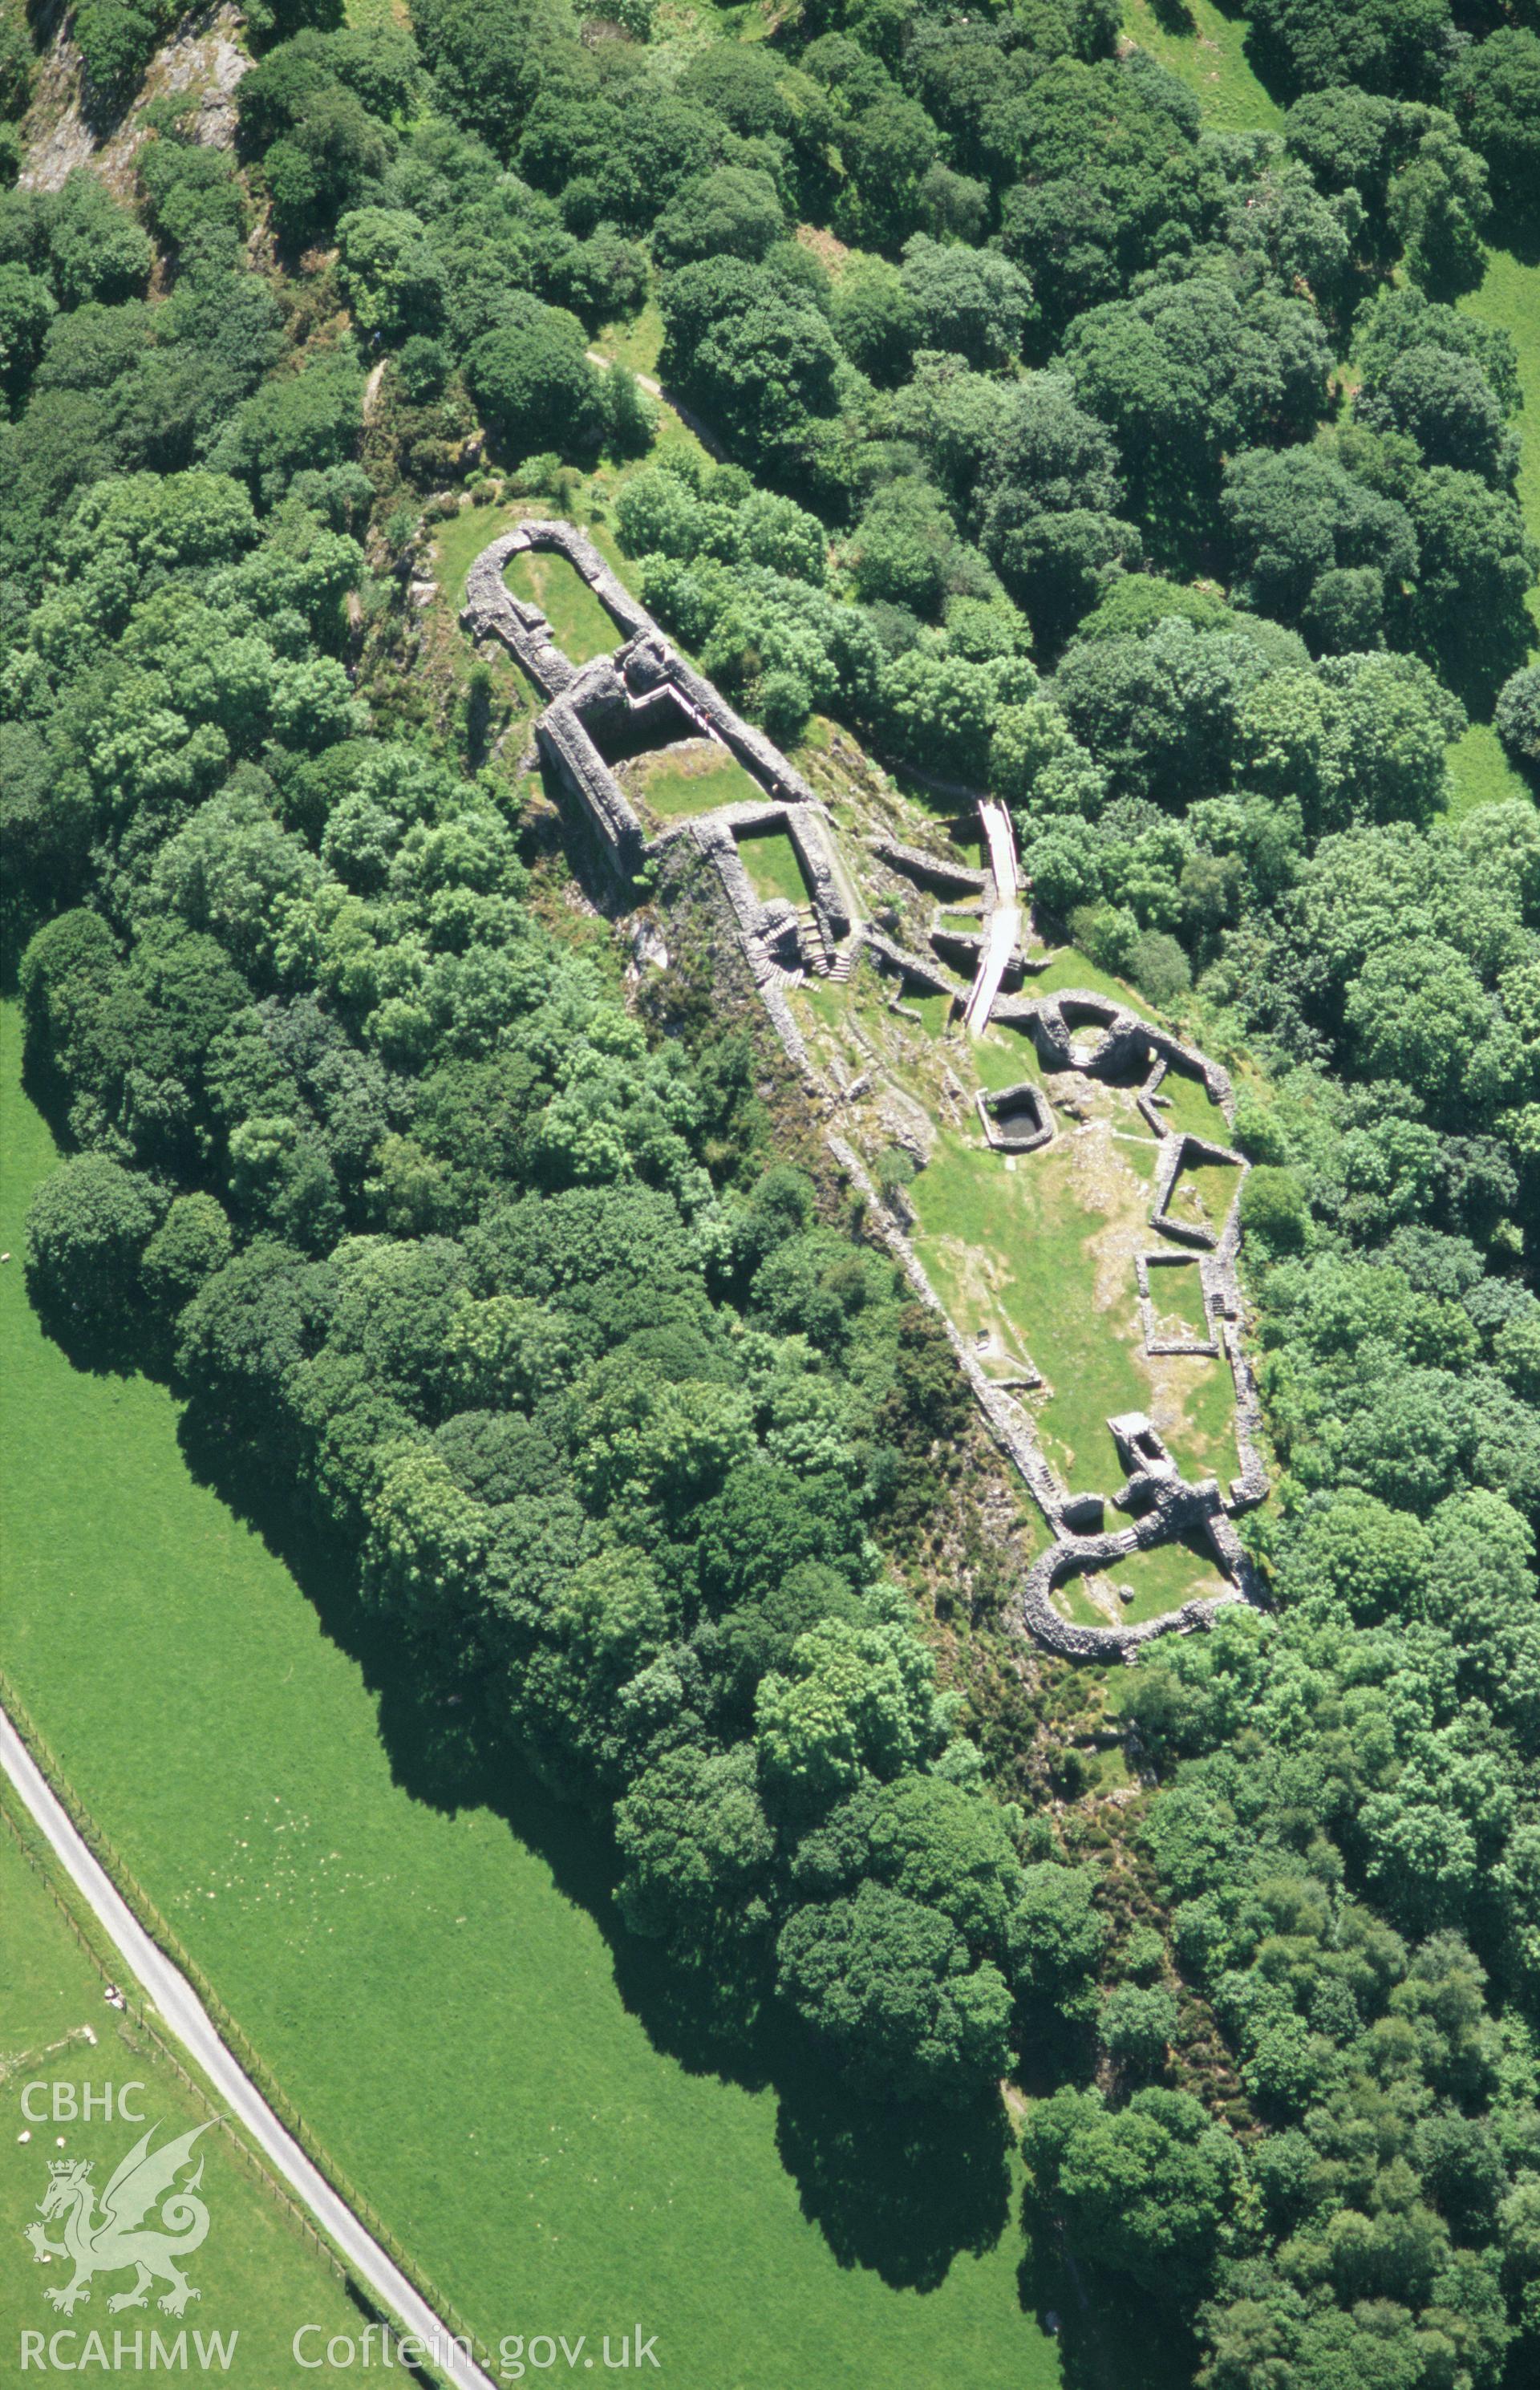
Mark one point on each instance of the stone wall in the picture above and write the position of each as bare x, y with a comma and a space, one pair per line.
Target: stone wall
1001, 1109
926, 971
612, 699
1177, 1508
651, 660
1125, 1036
1205, 1347
930, 870
491, 610
1178, 1152
566, 742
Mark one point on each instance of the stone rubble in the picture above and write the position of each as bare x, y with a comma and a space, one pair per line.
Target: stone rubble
621, 702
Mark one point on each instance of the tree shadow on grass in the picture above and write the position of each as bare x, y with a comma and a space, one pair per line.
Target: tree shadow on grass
1107, 2330
44, 1086
901, 2190
1515, 226
1480, 657
100, 1344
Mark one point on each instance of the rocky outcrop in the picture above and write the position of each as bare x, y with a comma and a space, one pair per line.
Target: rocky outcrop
203, 59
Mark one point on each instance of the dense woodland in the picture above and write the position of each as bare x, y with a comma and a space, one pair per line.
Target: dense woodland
1148, 475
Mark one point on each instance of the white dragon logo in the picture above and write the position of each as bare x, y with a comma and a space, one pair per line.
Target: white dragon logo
114, 2242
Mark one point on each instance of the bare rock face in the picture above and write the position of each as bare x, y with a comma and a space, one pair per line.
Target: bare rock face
203, 56
648, 949
907, 1124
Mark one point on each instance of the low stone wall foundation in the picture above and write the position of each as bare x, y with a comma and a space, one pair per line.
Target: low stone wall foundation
609, 703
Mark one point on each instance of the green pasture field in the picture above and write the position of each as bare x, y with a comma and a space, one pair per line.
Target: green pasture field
581, 627
258, 2278
773, 864
1509, 294
1480, 772
429, 1958
674, 786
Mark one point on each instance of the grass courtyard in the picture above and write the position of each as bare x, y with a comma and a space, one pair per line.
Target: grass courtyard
1039, 1259
773, 864
693, 777
256, 2275
1186, 1104
1159, 1580
430, 1962
581, 627
1034, 1254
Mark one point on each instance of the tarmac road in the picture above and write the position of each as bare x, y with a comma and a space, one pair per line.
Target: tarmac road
182, 2013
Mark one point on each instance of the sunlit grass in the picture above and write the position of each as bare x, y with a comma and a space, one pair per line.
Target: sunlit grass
442, 1987
675, 786
1161, 1579
1071, 969
1187, 1105
773, 864
1480, 772
581, 627
1509, 295
1206, 49
1020, 1253
255, 2274
636, 343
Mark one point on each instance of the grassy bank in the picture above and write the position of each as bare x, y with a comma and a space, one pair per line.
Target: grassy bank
430, 1961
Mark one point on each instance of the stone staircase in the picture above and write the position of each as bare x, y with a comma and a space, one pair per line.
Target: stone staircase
810, 939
